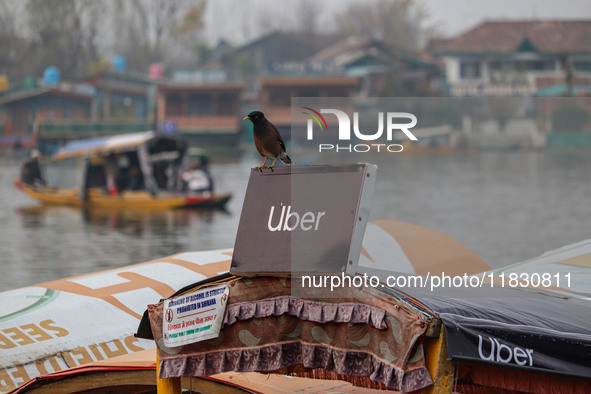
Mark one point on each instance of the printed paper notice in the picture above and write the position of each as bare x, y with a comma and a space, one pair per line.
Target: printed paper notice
195, 316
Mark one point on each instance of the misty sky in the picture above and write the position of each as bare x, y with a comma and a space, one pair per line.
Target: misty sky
239, 20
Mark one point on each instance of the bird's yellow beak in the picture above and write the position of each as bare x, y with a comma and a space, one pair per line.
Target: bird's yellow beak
246, 117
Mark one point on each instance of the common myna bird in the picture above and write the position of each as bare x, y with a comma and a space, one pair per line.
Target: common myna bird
267, 139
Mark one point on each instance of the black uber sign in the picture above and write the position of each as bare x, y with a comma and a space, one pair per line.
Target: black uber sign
303, 219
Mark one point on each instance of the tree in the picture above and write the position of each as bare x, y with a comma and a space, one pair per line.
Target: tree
64, 34
308, 16
157, 30
12, 47
399, 23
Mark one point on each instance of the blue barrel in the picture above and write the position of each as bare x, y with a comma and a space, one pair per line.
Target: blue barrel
119, 63
51, 76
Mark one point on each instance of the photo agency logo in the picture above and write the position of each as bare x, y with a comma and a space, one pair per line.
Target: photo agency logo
352, 139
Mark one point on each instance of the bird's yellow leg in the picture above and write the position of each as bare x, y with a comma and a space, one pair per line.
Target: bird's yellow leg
262, 165
272, 163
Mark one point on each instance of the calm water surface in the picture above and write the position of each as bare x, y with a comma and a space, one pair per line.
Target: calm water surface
505, 206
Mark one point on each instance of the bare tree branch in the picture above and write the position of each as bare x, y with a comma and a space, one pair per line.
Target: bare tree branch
399, 23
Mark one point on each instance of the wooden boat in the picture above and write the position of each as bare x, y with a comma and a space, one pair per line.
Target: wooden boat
138, 170
50, 341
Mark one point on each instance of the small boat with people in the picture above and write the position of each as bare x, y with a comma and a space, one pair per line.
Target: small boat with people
137, 170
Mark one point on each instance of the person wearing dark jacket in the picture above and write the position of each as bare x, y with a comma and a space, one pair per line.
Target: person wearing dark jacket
31, 171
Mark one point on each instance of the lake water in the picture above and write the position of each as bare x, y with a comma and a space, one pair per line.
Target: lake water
505, 206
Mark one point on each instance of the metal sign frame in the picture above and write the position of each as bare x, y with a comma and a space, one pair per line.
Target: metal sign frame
304, 219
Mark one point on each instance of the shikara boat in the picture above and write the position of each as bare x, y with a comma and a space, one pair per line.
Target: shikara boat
92, 333
138, 171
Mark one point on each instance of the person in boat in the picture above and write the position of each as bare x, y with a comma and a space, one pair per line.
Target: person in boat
197, 179
160, 174
135, 179
129, 175
122, 172
111, 165
31, 171
95, 173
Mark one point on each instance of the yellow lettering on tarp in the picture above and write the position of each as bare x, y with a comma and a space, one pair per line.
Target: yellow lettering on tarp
85, 359
136, 282
20, 373
6, 343
60, 332
17, 336
96, 352
35, 332
107, 293
120, 349
17, 375
29, 333
130, 343
6, 383
43, 369
68, 359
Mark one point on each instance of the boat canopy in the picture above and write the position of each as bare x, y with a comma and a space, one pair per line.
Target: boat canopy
100, 145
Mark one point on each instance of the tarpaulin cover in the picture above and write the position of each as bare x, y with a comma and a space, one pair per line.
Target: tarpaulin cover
544, 329
512, 327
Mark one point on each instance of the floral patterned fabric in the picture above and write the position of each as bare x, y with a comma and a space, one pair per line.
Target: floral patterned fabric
320, 312
266, 329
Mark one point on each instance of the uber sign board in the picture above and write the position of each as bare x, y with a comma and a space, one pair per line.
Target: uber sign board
303, 219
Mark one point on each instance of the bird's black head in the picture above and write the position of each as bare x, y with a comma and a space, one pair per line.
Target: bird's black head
255, 116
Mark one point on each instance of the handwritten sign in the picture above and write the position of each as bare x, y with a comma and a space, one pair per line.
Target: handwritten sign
194, 317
